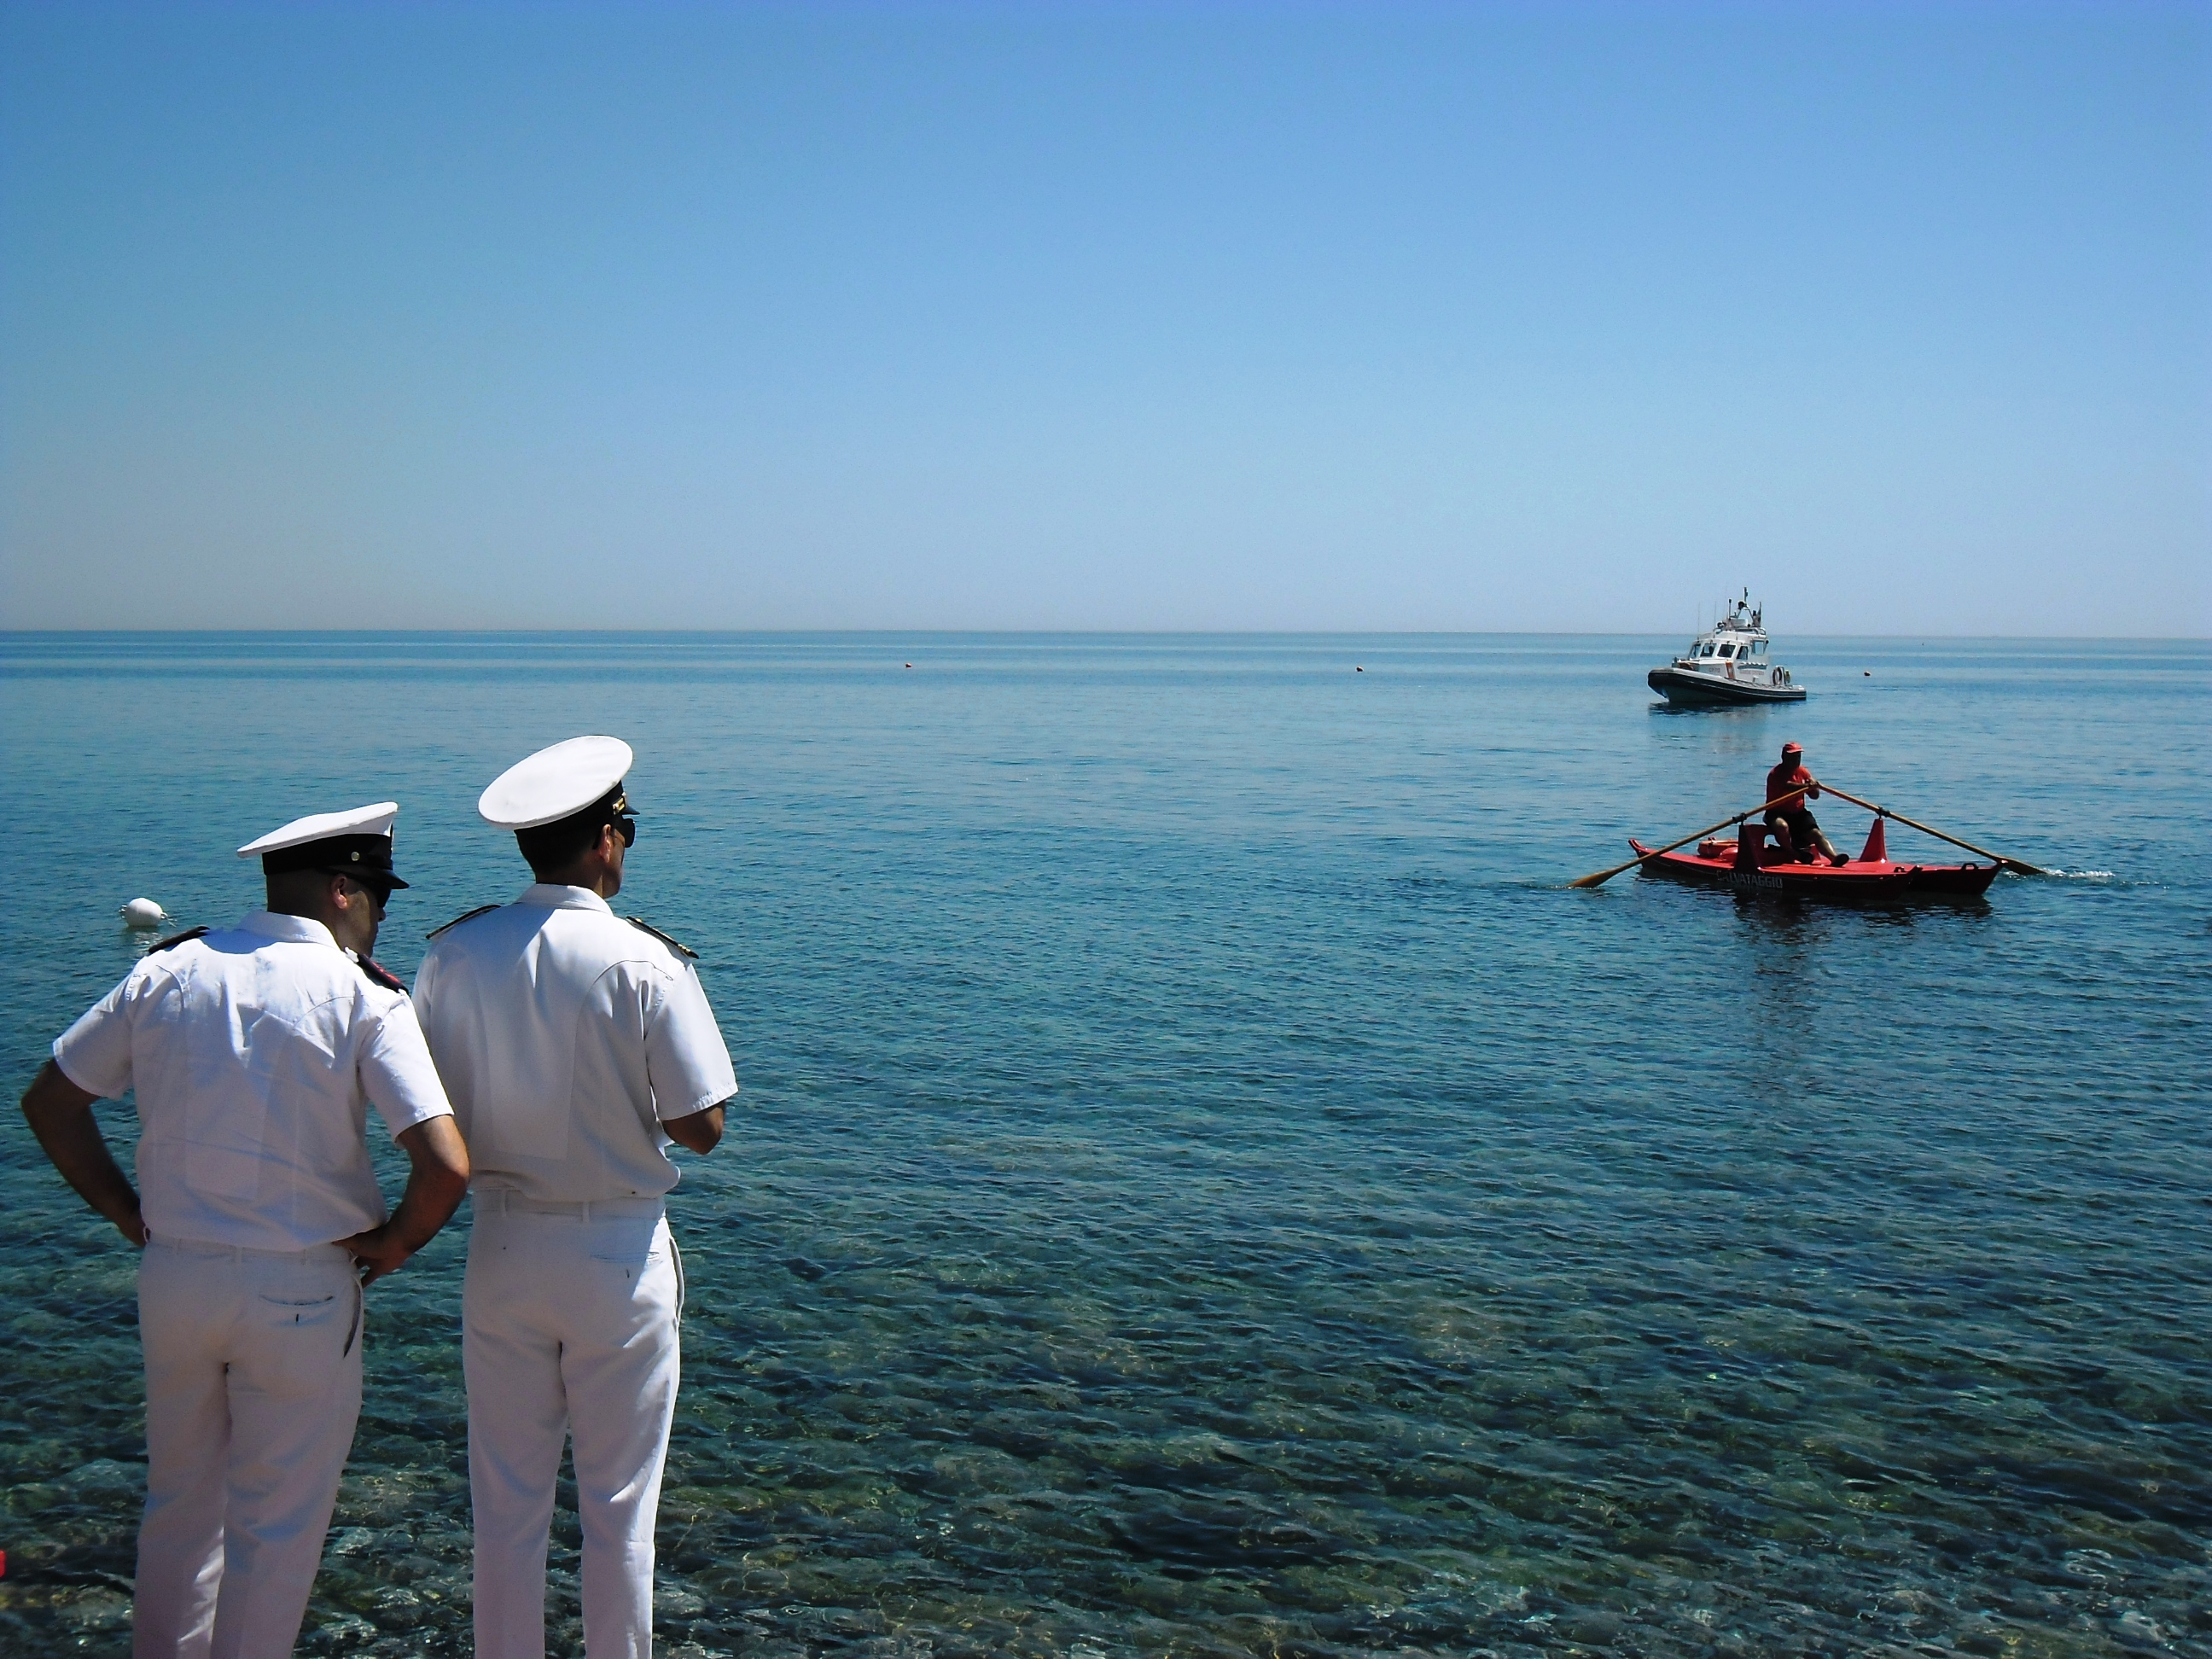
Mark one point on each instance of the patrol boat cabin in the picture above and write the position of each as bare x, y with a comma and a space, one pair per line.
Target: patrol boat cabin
1728, 664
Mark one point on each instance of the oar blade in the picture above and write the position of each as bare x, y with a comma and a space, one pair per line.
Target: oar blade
1604, 875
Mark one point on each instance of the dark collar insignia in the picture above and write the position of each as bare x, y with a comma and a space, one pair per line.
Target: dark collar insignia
379, 975
174, 939
677, 946
480, 910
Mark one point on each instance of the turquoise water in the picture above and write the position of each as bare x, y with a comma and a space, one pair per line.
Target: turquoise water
1204, 1188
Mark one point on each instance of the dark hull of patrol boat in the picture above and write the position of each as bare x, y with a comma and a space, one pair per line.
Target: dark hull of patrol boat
1709, 690
1855, 883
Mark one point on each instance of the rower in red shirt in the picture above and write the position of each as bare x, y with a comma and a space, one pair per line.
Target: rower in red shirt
1795, 830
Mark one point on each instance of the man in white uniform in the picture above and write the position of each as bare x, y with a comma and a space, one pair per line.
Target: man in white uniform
576, 1045
255, 1051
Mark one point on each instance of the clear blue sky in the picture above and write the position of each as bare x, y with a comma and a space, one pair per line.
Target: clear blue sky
1484, 316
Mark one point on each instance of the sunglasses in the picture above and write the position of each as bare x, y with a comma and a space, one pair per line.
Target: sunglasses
624, 825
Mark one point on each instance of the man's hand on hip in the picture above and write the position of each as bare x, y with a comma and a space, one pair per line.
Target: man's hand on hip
437, 1182
60, 1115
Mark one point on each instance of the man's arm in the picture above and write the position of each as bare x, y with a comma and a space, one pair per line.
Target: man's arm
60, 1114
437, 1180
701, 1131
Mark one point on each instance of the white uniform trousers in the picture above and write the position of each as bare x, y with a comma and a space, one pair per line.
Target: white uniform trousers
569, 1321
253, 1389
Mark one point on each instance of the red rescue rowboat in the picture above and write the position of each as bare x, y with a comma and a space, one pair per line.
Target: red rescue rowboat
1749, 864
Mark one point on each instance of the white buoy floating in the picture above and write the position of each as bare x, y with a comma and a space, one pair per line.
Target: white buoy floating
142, 913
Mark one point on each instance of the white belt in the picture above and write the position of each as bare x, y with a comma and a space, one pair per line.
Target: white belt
202, 1247
500, 1201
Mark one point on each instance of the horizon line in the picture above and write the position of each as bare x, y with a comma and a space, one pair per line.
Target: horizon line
1070, 633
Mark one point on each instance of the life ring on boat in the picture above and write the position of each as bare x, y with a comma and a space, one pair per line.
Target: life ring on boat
1777, 677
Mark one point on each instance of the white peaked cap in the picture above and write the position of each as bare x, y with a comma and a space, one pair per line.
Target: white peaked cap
321, 826
554, 782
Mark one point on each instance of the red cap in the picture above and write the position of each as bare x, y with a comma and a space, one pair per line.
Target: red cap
1793, 749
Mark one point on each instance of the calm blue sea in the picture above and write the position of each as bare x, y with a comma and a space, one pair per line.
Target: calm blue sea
1204, 1187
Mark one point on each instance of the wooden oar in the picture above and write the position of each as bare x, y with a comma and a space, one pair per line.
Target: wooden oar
2018, 866
1605, 876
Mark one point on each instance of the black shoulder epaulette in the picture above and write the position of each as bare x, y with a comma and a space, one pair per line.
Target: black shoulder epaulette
379, 975
173, 941
677, 946
457, 921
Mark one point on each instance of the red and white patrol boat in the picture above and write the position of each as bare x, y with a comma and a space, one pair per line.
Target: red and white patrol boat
1752, 864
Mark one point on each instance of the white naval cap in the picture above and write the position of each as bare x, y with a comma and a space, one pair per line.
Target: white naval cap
555, 783
355, 841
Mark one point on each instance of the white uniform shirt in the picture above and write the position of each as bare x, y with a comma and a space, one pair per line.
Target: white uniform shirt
566, 1037
255, 1050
